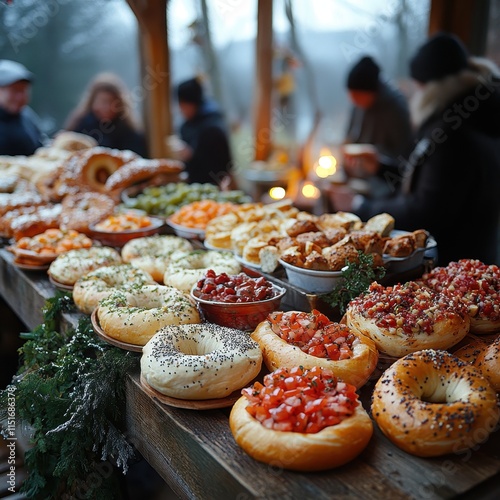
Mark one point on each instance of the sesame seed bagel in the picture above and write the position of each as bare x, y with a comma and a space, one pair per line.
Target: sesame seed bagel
153, 253
95, 286
183, 272
72, 265
204, 361
135, 315
430, 403
406, 318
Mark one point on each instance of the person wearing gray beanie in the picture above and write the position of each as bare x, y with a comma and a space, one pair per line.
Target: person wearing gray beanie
19, 132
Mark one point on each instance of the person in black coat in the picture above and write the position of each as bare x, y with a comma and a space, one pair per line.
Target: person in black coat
19, 132
449, 183
380, 115
104, 113
208, 156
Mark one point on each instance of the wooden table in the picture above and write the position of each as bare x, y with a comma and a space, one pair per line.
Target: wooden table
196, 455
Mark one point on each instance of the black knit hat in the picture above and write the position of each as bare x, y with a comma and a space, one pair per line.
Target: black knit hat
364, 75
442, 55
190, 91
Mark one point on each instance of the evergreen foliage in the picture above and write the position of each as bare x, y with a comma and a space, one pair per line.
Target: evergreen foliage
70, 391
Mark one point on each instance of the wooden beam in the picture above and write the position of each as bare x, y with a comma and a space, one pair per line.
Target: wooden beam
467, 19
264, 80
155, 70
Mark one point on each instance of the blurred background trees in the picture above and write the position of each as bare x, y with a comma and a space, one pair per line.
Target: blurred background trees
66, 42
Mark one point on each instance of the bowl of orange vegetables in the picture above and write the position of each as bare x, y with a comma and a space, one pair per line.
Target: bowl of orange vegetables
116, 229
43, 248
191, 220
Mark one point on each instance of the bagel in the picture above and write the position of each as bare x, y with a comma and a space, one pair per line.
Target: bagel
183, 272
153, 253
430, 403
485, 357
135, 315
88, 170
81, 210
406, 318
203, 361
141, 169
301, 420
70, 266
476, 285
95, 286
304, 339
73, 141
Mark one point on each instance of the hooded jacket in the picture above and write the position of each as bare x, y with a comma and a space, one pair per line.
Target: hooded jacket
206, 135
450, 182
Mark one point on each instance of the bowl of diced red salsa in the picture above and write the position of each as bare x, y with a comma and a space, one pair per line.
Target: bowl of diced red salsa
236, 300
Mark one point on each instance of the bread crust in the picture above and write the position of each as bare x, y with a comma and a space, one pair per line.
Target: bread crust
139, 170
446, 321
152, 254
430, 403
202, 361
331, 447
278, 353
135, 315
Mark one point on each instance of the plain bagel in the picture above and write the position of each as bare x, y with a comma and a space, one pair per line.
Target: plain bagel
183, 272
204, 361
135, 315
485, 357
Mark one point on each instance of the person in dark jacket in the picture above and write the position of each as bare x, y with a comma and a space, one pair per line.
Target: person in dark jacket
449, 183
380, 115
208, 156
105, 114
19, 132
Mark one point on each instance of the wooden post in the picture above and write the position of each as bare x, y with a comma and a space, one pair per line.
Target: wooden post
155, 69
264, 80
468, 19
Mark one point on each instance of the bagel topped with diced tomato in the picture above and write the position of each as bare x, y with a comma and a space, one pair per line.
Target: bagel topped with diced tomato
477, 286
296, 338
301, 419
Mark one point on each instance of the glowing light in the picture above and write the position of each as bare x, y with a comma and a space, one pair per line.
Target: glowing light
310, 191
277, 193
327, 165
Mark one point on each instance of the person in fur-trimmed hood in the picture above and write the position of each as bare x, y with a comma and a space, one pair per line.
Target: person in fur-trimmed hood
449, 185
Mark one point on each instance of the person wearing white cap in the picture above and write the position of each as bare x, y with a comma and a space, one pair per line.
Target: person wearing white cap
19, 134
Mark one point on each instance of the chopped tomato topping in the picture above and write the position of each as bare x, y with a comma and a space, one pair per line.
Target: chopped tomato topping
314, 334
475, 284
298, 400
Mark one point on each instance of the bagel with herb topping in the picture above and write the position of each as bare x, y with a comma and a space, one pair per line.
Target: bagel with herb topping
136, 314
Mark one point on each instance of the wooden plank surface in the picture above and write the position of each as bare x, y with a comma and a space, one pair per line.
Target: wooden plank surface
195, 453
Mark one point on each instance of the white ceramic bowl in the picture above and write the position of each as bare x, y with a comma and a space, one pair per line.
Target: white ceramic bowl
402, 264
190, 233
311, 280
